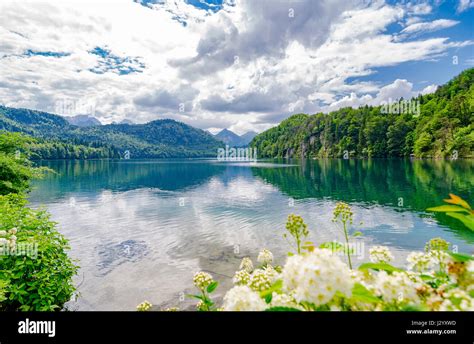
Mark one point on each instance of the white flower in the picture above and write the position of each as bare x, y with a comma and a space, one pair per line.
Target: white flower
397, 287
291, 272
457, 300
271, 273
3, 233
380, 254
265, 257
241, 277
259, 280
13, 238
12, 231
283, 300
200, 306
144, 306
419, 261
3, 241
242, 298
172, 309
440, 258
202, 280
362, 277
317, 277
246, 265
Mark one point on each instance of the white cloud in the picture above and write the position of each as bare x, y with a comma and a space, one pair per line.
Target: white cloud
429, 89
244, 67
400, 88
429, 26
465, 5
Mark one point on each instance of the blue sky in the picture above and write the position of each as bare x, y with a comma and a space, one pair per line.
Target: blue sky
238, 64
423, 72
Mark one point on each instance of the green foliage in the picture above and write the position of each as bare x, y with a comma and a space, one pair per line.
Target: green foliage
57, 139
16, 170
3, 287
458, 209
282, 309
35, 271
379, 267
444, 125
35, 266
343, 214
362, 294
297, 229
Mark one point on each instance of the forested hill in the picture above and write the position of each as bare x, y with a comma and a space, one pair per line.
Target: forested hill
443, 126
58, 139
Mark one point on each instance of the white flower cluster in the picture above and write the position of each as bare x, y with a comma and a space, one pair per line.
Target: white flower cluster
457, 300
396, 287
317, 277
202, 280
420, 262
380, 254
246, 265
470, 266
284, 300
242, 298
8, 238
440, 258
265, 257
144, 306
241, 277
259, 279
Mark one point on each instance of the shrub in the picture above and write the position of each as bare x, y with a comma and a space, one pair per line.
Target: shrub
35, 270
16, 169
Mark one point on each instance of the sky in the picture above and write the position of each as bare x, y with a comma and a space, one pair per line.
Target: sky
237, 64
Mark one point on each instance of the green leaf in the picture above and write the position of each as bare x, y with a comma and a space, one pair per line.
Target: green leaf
282, 309
461, 257
447, 209
212, 287
268, 298
362, 294
356, 234
379, 266
414, 308
467, 220
276, 287
332, 245
199, 297
453, 199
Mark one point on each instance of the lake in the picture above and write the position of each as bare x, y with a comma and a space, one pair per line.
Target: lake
140, 229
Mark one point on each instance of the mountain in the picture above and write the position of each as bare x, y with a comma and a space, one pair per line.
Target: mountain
83, 121
124, 121
60, 139
230, 138
441, 125
248, 137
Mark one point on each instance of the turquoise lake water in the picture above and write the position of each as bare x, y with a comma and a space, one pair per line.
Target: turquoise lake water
140, 229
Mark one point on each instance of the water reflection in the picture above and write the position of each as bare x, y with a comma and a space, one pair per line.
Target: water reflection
140, 229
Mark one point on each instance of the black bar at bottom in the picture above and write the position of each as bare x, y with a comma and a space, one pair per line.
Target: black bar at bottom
318, 327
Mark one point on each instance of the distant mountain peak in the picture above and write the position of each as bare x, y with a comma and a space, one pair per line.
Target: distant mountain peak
83, 121
124, 121
248, 136
232, 139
